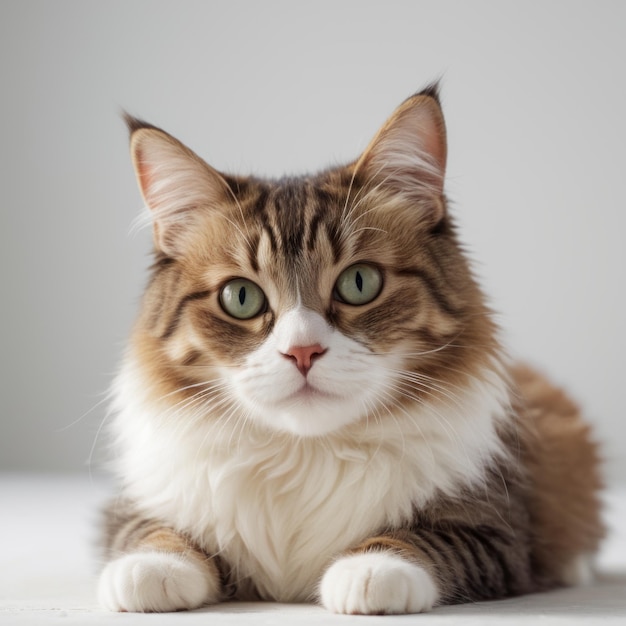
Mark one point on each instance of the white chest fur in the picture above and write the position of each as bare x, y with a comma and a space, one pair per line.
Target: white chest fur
278, 507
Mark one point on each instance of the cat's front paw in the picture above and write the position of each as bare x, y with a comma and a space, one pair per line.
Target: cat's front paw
375, 583
157, 582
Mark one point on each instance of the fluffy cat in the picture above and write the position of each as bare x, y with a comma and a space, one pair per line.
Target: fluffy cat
315, 407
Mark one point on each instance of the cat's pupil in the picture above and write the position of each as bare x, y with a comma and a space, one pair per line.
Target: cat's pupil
359, 281
242, 295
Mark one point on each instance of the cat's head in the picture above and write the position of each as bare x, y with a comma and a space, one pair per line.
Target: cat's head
311, 303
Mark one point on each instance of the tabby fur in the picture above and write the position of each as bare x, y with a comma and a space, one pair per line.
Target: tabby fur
376, 458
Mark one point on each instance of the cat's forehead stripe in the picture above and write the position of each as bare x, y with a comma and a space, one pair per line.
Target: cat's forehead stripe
290, 212
253, 252
294, 212
259, 210
314, 225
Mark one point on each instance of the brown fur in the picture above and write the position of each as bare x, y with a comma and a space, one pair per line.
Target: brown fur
562, 463
538, 511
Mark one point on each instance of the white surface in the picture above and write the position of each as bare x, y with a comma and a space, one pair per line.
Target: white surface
48, 571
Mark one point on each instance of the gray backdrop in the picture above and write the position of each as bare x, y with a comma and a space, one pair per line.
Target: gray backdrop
534, 97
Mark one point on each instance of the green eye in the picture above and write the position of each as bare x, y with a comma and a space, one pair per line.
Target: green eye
242, 299
359, 284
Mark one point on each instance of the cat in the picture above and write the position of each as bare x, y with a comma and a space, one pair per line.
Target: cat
315, 406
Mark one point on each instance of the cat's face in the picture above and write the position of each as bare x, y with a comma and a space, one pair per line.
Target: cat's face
311, 303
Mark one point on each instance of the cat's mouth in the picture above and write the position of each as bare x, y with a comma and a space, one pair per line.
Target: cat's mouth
309, 392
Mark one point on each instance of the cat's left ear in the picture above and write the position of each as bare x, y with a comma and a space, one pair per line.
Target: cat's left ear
407, 157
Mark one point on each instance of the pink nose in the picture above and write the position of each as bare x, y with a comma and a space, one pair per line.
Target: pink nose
303, 356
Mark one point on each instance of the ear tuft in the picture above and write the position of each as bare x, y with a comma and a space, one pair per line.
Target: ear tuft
135, 123
432, 90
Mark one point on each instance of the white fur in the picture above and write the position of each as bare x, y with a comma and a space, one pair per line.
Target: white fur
277, 506
156, 581
342, 385
377, 582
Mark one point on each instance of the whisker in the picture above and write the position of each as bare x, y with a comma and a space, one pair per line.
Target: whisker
355, 205
107, 395
94, 444
345, 206
438, 390
247, 238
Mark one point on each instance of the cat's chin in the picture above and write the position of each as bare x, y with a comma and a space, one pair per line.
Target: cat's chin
308, 412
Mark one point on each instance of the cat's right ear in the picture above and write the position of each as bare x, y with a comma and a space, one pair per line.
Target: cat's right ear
407, 157
178, 187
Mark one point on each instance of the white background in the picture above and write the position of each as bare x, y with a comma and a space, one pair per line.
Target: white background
534, 96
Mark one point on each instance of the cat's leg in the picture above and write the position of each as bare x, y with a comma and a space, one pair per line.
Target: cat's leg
153, 568
411, 572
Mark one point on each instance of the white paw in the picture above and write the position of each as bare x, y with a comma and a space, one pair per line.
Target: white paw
156, 581
377, 582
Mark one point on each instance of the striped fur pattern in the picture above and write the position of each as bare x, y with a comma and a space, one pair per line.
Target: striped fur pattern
314, 405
